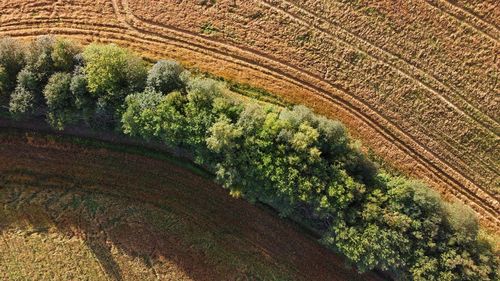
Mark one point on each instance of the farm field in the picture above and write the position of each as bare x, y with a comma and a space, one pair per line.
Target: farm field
71, 212
416, 81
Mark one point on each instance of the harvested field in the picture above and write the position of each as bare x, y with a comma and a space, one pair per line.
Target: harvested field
417, 81
70, 212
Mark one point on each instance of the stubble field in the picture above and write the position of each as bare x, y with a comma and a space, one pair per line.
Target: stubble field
416, 81
71, 212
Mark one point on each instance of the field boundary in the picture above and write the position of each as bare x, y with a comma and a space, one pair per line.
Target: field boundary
436, 170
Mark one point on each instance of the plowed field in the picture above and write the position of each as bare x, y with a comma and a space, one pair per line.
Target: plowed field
416, 81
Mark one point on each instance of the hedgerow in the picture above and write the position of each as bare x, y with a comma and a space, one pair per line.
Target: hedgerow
303, 165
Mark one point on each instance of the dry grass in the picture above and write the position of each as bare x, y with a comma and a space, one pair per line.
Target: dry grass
417, 81
70, 212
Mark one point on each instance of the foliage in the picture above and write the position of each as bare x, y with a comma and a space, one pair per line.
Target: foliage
164, 76
22, 102
60, 100
84, 102
64, 54
3, 81
113, 72
12, 60
24, 99
39, 58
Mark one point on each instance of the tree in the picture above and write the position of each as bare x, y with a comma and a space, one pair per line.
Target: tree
60, 100
113, 72
141, 115
223, 135
12, 60
84, 101
57, 92
39, 58
22, 102
64, 54
164, 76
3, 84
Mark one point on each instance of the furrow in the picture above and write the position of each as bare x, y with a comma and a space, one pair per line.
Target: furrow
402, 66
246, 63
206, 42
488, 124
479, 25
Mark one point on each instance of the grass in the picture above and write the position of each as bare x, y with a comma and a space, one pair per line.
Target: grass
209, 29
247, 90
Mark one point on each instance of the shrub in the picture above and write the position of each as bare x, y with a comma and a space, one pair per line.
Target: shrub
22, 102
3, 84
84, 101
25, 99
142, 117
39, 58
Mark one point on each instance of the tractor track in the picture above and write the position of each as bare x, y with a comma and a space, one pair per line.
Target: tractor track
166, 30
488, 212
123, 5
87, 184
465, 17
427, 81
480, 204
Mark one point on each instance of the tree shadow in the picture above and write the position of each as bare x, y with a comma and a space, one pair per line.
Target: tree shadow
166, 217
106, 260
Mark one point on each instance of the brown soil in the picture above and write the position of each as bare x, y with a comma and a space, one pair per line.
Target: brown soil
77, 213
417, 81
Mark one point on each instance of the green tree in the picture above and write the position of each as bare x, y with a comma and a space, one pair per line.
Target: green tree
84, 101
113, 72
3, 84
22, 102
64, 54
164, 76
61, 108
39, 58
12, 60
142, 117
223, 134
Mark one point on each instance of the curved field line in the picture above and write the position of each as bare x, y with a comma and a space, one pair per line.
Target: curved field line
187, 34
475, 15
195, 216
390, 60
136, 38
189, 42
317, 89
450, 146
447, 8
490, 125
478, 203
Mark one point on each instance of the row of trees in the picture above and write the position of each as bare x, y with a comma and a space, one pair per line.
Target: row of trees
302, 164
